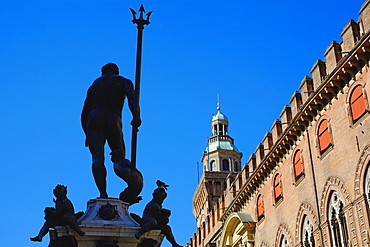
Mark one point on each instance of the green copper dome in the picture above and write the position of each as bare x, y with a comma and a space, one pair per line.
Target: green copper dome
219, 116
221, 145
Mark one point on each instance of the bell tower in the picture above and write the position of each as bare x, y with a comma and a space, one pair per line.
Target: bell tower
221, 163
221, 155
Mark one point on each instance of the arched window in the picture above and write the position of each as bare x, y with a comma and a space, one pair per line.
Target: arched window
236, 166
298, 164
225, 165
324, 135
357, 103
260, 208
278, 193
284, 242
308, 239
337, 219
213, 166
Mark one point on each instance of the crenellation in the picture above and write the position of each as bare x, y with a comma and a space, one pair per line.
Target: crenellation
247, 172
260, 153
318, 73
350, 35
267, 141
332, 56
286, 117
306, 88
252, 164
365, 17
295, 103
276, 130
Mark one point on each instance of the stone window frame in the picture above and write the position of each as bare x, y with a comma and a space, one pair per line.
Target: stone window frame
306, 210
362, 193
334, 183
282, 234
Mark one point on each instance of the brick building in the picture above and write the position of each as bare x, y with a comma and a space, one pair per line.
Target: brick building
308, 182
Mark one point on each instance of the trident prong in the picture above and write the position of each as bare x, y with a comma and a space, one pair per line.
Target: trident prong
133, 14
148, 15
142, 11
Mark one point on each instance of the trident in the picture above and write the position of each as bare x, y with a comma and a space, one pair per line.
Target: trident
140, 22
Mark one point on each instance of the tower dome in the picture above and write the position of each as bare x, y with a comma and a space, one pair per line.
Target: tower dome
221, 155
219, 116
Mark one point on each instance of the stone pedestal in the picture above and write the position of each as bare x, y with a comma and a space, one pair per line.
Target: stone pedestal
106, 223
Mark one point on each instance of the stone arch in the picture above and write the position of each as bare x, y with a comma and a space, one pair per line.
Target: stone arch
237, 225
348, 92
360, 191
283, 230
336, 184
333, 184
305, 209
360, 172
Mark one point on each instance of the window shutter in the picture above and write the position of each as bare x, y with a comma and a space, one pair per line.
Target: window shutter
324, 136
277, 186
260, 208
298, 164
357, 103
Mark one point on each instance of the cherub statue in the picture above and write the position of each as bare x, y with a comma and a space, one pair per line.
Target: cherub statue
156, 217
61, 215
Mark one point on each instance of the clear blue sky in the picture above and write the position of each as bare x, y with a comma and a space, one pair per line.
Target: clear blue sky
253, 53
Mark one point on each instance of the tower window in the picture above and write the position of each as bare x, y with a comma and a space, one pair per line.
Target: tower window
236, 166
220, 129
215, 129
324, 135
357, 103
225, 165
213, 165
